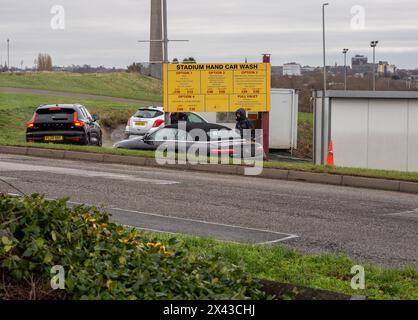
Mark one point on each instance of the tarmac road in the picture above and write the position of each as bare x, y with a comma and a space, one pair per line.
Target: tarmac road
368, 225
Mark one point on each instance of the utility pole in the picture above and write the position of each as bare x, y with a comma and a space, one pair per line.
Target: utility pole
165, 33
156, 4
164, 40
156, 14
345, 68
373, 44
8, 54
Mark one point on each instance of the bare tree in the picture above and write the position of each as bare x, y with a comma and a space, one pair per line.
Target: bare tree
44, 62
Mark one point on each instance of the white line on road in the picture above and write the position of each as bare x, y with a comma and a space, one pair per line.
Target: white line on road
282, 239
288, 235
408, 214
11, 166
8, 178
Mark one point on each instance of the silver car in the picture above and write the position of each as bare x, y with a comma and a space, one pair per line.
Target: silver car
218, 140
148, 119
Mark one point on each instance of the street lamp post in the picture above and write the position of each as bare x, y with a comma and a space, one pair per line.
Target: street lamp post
373, 44
325, 75
345, 68
323, 45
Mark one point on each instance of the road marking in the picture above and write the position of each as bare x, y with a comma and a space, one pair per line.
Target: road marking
287, 237
8, 178
150, 230
404, 214
278, 237
11, 166
176, 233
293, 236
281, 236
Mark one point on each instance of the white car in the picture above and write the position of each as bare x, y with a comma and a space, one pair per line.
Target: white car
148, 119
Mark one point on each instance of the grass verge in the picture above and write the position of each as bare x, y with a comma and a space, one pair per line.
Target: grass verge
305, 136
325, 272
106, 261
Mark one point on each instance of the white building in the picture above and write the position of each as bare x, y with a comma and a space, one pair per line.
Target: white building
292, 69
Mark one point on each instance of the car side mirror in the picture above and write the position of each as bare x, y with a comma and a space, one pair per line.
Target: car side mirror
95, 117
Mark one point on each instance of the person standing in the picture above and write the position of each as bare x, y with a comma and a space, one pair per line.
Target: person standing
243, 123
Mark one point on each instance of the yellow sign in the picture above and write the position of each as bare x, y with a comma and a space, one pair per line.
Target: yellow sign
217, 87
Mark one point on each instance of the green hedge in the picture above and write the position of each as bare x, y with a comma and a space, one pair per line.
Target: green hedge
103, 260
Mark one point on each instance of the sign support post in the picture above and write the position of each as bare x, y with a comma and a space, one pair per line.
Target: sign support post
265, 125
265, 119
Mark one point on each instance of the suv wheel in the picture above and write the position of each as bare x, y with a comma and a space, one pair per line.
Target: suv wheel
86, 141
100, 140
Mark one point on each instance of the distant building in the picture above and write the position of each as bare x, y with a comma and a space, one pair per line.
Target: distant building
308, 69
386, 69
276, 70
358, 60
391, 69
360, 65
292, 69
338, 69
381, 67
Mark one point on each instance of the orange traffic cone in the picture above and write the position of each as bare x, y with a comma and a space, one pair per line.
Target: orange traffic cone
330, 157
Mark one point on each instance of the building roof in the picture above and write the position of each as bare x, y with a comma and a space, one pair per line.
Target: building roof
369, 94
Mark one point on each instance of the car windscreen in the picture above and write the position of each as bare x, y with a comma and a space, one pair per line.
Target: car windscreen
148, 113
55, 115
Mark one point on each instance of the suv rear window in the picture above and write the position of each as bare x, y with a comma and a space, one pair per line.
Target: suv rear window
55, 114
148, 113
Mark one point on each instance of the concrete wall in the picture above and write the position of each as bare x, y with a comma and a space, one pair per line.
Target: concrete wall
376, 131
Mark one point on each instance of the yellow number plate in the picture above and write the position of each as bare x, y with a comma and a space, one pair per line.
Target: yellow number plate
140, 124
54, 138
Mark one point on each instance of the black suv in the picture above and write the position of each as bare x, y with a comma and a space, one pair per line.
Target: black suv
64, 123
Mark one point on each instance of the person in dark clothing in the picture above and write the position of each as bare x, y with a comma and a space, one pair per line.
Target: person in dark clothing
176, 117
243, 123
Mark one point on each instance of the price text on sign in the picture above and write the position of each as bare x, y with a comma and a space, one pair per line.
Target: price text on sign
217, 87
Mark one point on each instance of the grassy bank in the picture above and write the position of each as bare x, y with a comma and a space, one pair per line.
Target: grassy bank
120, 84
326, 272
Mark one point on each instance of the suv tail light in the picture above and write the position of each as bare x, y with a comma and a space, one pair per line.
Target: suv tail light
129, 122
77, 123
31, 123
158, 123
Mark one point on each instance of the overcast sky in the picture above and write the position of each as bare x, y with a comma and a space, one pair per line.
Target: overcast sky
105, 32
